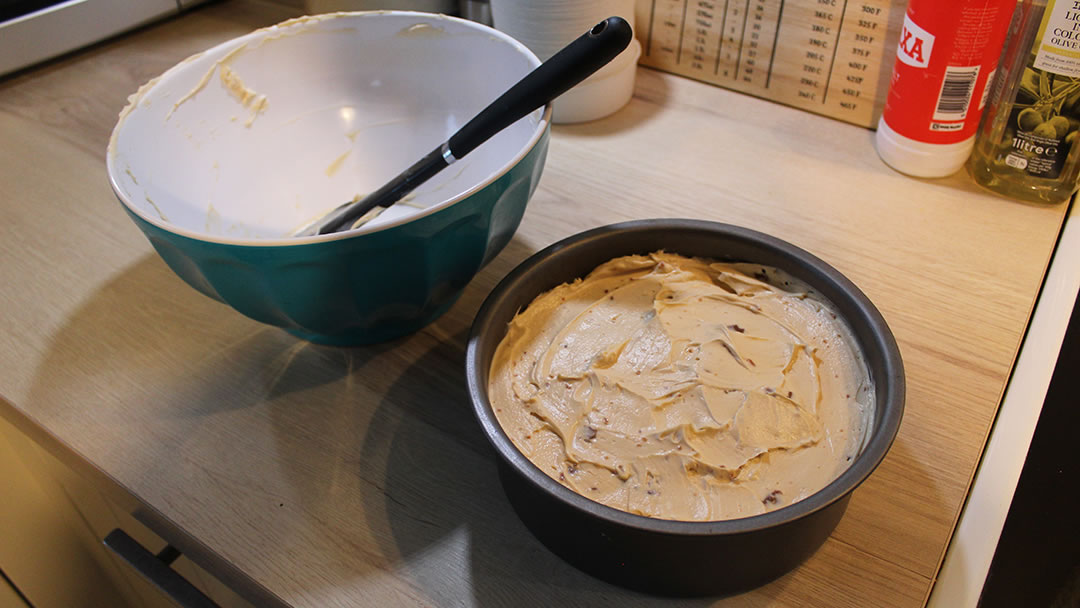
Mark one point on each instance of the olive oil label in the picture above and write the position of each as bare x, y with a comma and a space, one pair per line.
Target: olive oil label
1059, 33
1043, 123
1044, 120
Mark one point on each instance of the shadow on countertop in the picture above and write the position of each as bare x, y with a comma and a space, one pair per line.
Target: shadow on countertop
262, 455
457, 537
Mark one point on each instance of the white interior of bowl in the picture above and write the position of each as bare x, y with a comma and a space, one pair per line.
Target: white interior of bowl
262, 134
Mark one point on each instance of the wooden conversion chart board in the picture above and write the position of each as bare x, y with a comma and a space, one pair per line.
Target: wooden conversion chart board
832, 57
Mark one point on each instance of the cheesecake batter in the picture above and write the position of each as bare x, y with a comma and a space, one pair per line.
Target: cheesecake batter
683, 389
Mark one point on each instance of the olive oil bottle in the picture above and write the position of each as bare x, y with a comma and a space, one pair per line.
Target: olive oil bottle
1026, 146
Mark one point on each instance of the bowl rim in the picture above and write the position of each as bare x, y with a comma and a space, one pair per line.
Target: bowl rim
875, 448
223, 48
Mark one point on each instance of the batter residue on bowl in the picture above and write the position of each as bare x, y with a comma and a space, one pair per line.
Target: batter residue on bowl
683, 389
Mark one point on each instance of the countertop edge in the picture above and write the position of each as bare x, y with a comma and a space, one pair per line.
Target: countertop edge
969, 554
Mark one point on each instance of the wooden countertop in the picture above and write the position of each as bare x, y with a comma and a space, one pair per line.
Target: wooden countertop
314, 476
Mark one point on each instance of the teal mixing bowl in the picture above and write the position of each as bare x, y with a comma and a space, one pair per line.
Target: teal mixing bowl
224, 156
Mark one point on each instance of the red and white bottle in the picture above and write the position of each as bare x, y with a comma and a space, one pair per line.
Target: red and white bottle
945, 63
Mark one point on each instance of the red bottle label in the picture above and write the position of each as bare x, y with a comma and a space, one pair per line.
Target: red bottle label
945, 61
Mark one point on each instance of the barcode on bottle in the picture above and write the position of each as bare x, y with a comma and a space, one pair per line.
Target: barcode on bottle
956, 92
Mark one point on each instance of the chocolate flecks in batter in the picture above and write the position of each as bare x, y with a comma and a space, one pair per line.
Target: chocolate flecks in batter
650, 357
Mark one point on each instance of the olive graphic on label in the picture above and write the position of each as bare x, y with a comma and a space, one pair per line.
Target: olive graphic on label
1028, 119
1060, 124
1045, 130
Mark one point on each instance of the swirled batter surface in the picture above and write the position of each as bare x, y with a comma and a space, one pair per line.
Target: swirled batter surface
683, 389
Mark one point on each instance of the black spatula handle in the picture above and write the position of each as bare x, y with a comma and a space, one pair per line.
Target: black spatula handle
574, 63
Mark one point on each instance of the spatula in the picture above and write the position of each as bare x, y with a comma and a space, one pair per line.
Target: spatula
574, 63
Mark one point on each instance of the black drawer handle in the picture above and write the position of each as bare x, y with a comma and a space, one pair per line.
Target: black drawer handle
155, 568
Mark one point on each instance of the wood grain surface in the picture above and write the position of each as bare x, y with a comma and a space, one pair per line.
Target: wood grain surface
306, 475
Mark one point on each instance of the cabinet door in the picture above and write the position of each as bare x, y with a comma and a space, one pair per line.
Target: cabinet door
56, 556
46, 549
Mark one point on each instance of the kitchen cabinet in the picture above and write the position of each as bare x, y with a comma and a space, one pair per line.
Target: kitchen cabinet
306, 475
55, 522
47, 550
